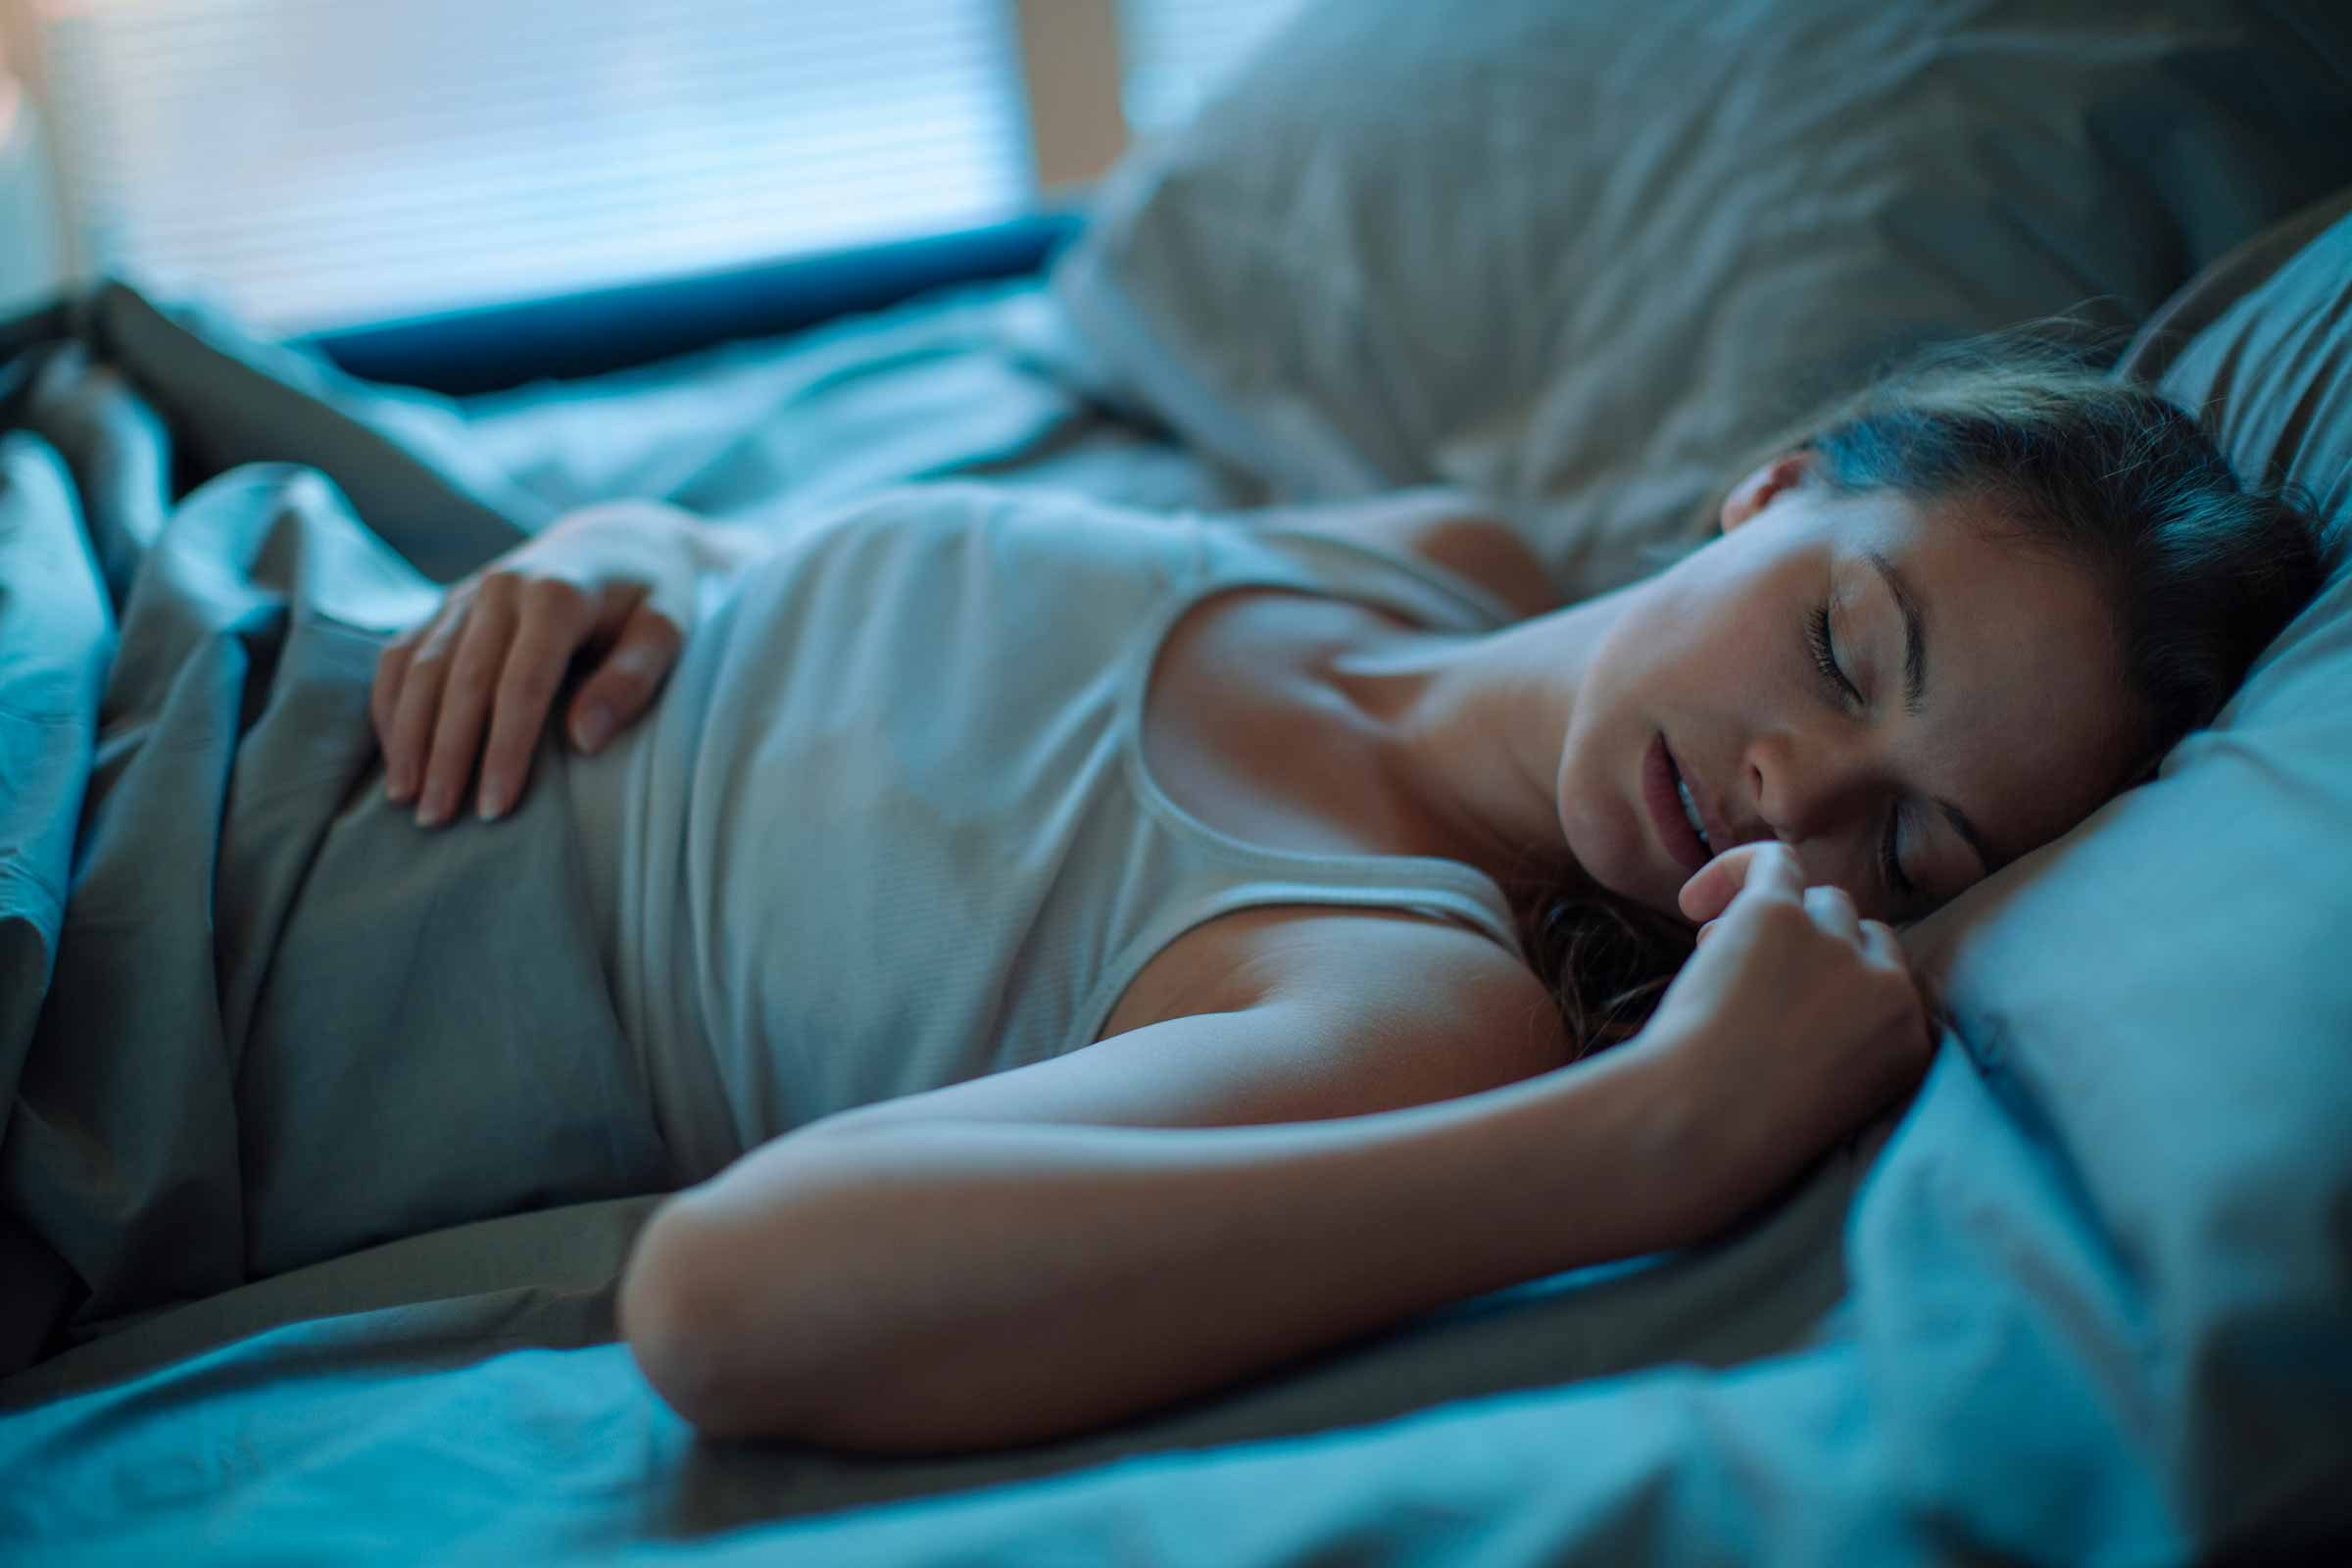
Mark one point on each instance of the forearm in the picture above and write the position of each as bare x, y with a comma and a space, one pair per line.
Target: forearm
954, 1285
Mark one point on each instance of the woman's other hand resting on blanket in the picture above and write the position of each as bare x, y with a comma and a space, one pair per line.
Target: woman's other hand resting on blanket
612, 587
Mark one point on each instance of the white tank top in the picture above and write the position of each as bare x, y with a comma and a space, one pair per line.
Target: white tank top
888, 827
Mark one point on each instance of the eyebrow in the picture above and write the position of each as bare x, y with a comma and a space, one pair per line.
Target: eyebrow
1915, 689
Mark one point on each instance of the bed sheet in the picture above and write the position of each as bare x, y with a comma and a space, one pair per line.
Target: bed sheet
457, 1394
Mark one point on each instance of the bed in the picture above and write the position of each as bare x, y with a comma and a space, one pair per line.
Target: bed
2091, 1301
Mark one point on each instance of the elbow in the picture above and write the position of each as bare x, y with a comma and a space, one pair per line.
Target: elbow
660, 1310
680, 1308
742, 1351
736, 1348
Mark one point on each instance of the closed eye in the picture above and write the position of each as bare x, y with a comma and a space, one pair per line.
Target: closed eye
1825, 658
1843, 690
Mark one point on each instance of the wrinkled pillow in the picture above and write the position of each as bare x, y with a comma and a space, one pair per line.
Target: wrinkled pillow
2269, 362
2163, 996
1578, 258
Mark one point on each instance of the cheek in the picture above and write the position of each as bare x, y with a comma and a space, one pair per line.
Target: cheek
1618, 711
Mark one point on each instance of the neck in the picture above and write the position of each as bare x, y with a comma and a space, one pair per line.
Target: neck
1475, 726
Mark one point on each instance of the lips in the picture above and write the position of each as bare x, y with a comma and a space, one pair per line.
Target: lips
1666, 820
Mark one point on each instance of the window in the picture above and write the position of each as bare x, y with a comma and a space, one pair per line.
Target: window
320, 161
315, 163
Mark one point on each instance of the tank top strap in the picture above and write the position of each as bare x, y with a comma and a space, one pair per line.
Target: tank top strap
1348, 569
1232, 555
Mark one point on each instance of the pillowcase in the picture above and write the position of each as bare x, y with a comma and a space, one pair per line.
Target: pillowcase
2262, 344
2163, 995
2210, 295
1578, 258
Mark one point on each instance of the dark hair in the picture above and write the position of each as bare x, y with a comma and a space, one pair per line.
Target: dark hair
2201, 570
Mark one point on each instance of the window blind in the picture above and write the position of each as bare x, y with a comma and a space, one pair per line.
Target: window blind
318, 163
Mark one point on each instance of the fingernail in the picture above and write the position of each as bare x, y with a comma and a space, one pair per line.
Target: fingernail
434, 809
593, 726
396, 790
494, 798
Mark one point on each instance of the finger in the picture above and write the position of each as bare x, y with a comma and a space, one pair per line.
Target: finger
1833, 909
412, 710
552, 628
1882, 946
1705, 932
627, 678
1713, 886
384, 703
464, 706
1775, 871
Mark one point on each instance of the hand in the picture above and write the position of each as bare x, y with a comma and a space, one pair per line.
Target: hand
617, 581
1793, 1024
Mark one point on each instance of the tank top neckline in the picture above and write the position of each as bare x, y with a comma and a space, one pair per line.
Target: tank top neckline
1423, 871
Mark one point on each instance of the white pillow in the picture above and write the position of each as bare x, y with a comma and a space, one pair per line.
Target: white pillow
1578, 258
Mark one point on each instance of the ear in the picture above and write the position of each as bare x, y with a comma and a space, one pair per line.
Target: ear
1755, 491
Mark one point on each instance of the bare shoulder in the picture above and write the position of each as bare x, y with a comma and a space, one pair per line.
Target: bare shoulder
1389, 975
1443, 528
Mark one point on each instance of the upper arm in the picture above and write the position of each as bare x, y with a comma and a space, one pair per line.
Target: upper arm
1358, 1015
1444, 530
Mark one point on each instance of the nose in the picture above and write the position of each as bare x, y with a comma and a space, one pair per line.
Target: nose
1812, 787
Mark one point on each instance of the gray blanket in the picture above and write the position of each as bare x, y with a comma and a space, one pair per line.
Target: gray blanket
281, 1022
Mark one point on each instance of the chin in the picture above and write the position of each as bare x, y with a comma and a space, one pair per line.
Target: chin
1617, 866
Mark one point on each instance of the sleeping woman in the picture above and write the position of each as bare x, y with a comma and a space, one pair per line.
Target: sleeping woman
1085, 958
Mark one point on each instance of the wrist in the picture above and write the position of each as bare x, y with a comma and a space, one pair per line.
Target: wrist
1603, 1160
1696, 1145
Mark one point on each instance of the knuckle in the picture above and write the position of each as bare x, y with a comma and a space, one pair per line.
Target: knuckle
554, 596
504, 585
462, 699
636, 667
528, 684
626, 682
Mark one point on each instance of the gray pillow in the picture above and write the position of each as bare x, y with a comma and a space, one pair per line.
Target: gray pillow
1579, 257
2164, 998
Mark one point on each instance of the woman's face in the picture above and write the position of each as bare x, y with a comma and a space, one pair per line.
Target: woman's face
1972, 707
